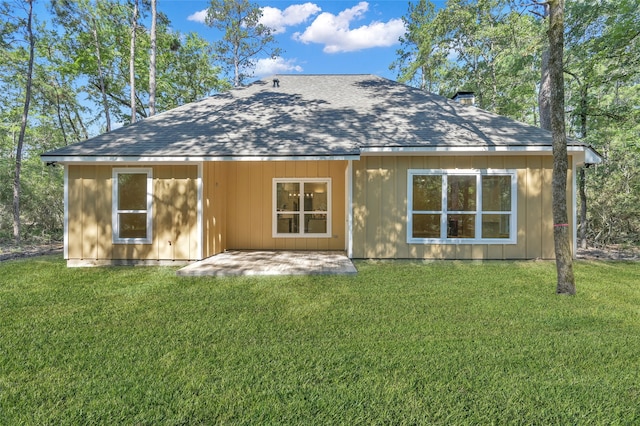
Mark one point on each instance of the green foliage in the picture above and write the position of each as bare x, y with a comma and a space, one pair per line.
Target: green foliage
66, 101
243, 36
485, 47
603, 54
41, 204
422, 58
614, 194
41, 201
185, 70
186, 74
494, 47
399, 343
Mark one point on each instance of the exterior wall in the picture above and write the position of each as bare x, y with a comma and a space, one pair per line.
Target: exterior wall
174, 228
380, 208
237, 209
214, 206
249, 214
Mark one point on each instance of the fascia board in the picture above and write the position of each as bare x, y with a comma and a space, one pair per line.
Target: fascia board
181, 160
591, 157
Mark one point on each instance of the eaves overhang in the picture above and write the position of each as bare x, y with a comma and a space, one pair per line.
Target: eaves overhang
585, 154
591, 156
88, 159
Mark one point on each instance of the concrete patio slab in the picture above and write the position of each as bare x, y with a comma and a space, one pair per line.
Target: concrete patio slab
263, 262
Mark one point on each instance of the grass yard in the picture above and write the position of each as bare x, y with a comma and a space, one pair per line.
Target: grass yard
400, 343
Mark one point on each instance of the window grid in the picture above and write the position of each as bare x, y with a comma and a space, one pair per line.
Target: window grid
445, 214
301, 211
143, 216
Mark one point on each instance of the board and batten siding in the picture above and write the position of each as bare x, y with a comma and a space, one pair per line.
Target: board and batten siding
214, 208
174, 229
380, 208
249, 204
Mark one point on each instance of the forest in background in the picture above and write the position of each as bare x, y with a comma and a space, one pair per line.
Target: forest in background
80, 85
494, 48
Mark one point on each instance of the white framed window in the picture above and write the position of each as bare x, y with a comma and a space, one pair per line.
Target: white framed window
462, 206
131, 206
301, 208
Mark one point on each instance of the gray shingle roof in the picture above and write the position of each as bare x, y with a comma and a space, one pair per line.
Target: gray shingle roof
309, 116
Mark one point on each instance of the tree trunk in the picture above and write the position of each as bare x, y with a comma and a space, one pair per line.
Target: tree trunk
582, 175
152, 60
132, 61
236, 71
103, 89
78, 133
544, 93
23, 127
584, 223
85, 132
561, 234
59, 111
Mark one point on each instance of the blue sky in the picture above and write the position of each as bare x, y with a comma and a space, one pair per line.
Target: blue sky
317, 37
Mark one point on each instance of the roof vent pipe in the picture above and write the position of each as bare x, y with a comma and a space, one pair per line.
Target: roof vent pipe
276, 82
465, 98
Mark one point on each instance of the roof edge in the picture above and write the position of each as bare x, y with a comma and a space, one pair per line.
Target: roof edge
69, 159
591, 156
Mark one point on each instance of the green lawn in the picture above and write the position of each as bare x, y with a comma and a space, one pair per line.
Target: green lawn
400, 343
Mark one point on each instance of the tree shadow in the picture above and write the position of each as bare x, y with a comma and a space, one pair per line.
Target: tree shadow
322, 116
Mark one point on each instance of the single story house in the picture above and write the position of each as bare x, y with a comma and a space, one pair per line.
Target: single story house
357, 163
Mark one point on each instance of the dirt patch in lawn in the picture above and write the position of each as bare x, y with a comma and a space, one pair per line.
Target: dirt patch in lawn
609, 253
10, 251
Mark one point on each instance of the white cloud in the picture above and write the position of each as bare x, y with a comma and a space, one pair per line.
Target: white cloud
273, 17
198, 16
270, 66
295, 14
335, 33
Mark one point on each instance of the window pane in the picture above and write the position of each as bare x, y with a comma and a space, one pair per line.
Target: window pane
288, 196
132, 225
496, 193
315, 223
132, 191
461, 193
461, 226
426, 226
495, 225
427, 193
288, 223
315, 196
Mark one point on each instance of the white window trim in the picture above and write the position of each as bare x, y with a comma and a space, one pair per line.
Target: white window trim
114, 205
274, 208
66, 213
349, 207
513, 231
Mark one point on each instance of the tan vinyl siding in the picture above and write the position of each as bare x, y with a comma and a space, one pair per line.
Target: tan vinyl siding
250, 205
237, 209
174, 236
103, 210
89, 213
380, 208
214, 208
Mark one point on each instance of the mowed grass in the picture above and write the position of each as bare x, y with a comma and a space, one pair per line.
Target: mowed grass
400, 343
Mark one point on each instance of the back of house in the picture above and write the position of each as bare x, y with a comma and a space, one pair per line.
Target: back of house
354, 163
